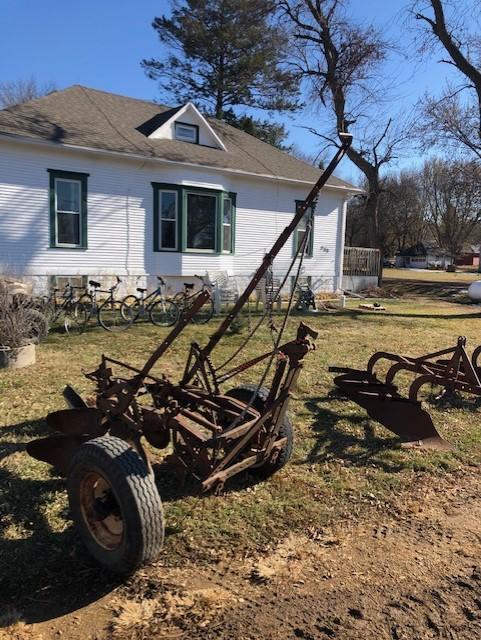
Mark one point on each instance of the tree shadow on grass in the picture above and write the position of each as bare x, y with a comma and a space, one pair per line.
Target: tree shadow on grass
43, 573
360, 447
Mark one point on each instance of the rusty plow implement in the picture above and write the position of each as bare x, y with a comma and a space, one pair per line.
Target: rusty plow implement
214, 431
451, 369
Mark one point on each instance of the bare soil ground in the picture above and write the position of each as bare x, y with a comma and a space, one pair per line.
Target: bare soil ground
409, 569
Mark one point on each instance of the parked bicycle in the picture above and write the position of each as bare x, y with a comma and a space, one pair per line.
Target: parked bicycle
67, 309
107, 311
156, 307
186, 298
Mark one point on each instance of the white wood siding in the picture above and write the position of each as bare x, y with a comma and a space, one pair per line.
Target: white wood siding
120, 219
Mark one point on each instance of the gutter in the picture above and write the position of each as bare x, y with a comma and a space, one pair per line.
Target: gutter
11, 137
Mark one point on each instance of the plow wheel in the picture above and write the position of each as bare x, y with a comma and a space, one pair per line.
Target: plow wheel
244, 394
115, 504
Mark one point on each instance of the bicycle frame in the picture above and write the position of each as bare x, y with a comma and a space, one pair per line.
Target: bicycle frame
154, 296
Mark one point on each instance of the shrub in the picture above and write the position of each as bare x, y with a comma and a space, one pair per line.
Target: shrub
15, 318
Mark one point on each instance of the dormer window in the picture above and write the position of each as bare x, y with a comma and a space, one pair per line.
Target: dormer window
182, 123
187, 132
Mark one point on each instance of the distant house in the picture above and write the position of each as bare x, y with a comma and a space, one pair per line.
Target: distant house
422, 256
469, 257
94, 184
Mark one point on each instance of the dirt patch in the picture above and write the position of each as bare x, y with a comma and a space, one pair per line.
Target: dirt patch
409, 570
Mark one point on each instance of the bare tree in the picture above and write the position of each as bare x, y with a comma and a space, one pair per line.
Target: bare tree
452, 202
402, 211
341, 62
456, 114
356, 228
401, 220
20, 91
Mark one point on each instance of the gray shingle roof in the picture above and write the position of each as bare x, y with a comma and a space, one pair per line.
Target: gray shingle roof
85, 117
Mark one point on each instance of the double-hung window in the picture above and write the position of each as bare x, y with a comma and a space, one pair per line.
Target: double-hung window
302, 229
168, 220
68, 209
191, 219
227, 236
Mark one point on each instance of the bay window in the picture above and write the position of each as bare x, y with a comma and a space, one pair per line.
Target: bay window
200, 222
193, 220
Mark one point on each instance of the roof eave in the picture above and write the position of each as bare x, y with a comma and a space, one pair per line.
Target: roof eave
12, 137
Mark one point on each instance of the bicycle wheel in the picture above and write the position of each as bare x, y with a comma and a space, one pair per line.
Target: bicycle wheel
76, 319
130, 307
205, 313
164, 313
111, 318
86, 304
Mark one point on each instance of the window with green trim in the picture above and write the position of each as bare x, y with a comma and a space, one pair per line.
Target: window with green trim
201, 221
168, 220
68, 209
301, 231
190, 219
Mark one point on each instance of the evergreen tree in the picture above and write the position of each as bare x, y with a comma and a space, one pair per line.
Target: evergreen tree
224, 54
274, 133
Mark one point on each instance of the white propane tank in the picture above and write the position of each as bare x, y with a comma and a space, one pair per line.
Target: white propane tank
474, 291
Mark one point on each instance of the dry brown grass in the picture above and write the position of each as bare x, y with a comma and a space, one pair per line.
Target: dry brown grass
339, 466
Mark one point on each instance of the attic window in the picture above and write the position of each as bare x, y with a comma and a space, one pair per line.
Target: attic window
187, 132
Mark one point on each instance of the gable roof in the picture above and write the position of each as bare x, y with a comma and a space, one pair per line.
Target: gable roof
89, 118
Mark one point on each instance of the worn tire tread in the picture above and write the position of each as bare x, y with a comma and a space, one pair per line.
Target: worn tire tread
136, 493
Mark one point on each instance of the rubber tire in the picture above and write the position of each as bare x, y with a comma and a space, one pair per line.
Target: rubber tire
244, 393
171, 313
76, 319
205, 313
114, 308
133, 304
86, 303
137, 497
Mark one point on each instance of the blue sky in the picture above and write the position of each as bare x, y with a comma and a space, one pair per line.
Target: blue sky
99, 43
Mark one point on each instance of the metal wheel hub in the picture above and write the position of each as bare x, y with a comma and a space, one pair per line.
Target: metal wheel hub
100, 511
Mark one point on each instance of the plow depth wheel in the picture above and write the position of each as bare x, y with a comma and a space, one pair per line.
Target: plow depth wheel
244, 393
115, 504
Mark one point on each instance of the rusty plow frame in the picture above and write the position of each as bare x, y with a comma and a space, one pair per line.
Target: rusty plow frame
213, 435
451, 369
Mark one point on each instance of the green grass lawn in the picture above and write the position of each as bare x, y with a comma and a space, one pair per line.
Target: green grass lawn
338, 466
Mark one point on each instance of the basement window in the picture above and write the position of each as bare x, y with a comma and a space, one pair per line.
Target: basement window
187, 132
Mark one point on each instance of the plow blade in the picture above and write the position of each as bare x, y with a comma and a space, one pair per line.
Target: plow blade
406, 418
56, 450
84, 421
76, 426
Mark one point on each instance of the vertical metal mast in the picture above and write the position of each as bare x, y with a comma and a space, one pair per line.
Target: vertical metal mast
346, 140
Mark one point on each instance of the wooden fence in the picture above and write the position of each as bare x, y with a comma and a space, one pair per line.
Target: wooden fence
359, 261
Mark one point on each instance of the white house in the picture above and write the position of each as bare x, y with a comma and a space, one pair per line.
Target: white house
94, 185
